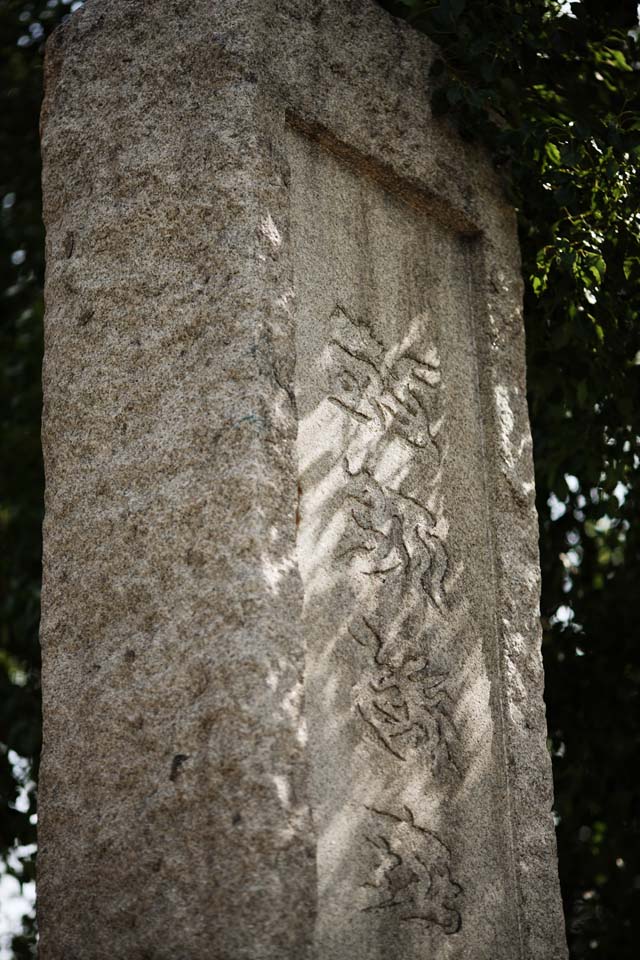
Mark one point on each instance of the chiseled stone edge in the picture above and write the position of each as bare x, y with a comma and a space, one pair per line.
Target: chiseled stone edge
517, 585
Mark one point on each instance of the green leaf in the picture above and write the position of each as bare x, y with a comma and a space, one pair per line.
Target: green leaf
598, 268
552, 152
616, 58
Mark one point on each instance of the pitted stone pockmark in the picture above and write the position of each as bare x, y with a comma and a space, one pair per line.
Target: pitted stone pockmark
405, 703
393, 391
410, 873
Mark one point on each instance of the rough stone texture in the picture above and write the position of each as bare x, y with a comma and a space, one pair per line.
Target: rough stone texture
283, 304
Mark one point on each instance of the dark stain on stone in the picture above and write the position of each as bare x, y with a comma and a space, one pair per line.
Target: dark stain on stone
176, 764
298, 505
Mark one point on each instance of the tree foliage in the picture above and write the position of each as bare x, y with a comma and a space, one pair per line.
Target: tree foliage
552, 90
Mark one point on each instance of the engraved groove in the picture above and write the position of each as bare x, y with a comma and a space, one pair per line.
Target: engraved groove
415, 884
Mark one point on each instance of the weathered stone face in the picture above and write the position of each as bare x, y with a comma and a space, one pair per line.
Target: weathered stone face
291, 667
409, 786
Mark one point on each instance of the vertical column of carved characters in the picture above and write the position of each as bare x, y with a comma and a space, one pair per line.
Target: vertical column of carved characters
391, 395
391, 537
398, 543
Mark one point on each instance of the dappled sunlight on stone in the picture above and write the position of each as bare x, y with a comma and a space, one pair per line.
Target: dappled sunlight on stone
290, 662
409, 788
392, 550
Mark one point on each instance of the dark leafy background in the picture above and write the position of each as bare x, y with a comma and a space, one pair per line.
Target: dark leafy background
552, 90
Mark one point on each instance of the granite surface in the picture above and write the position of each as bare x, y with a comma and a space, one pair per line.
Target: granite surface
291, 656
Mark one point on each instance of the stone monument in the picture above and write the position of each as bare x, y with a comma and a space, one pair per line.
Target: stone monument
291, 656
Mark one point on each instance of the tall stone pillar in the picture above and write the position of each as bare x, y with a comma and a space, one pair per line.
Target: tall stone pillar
291, 657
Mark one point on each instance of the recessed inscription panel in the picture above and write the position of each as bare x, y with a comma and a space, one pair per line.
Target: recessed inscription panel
402, 689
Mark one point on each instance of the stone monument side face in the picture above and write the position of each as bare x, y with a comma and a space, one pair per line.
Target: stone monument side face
174, 818
291, 655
